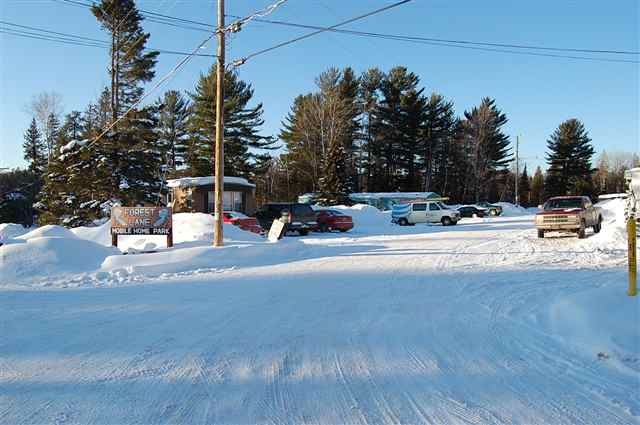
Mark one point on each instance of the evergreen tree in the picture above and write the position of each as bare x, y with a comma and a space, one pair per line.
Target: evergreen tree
368, 98
34, 149
242, 141
537, 187
173, 113
436, 132
488, 148
131, 65
569, 159
333, 184
524, 187
127, 159
52, 130
396, 124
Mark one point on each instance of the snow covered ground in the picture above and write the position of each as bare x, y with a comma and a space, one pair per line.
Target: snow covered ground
476, 323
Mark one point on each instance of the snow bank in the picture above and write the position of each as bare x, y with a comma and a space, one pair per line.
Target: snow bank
50, 231
44, 256
511, 210
12, 230
188, 228
368, 219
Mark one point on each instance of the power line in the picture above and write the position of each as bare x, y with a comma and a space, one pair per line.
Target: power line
406, 38
311, 34
72, 39
442, 40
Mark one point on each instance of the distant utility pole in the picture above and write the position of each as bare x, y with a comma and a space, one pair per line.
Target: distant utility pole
219, 148
517, 173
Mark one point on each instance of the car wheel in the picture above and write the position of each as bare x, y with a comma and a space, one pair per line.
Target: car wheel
324, 228
582, 232
540, 234
474, 215
403, 222
446, 221
598, 227
493, 212
343, 230
303, 232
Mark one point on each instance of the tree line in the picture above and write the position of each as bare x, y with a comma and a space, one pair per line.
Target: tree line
373, 132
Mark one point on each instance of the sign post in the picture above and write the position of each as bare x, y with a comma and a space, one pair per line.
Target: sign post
141, 221
633, 262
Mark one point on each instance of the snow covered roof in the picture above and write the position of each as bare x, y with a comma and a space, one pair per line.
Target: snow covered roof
394, 195
206, 181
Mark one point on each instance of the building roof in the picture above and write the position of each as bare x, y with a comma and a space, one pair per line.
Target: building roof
206, 181
394, 195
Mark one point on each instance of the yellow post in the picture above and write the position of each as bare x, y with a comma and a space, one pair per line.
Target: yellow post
633, 265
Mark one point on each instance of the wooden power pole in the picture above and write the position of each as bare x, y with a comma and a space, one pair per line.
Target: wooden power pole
517, 169
219, 148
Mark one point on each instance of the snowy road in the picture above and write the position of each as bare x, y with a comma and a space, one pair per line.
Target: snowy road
477, 323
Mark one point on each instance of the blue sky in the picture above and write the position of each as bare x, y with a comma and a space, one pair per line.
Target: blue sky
536, 93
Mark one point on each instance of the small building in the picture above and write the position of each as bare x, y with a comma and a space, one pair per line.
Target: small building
196, 194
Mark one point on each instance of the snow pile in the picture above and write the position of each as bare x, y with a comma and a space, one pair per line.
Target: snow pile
49, 231
11, 230
193, 227
367, 219
188, 229
511, 210
47, 251
613, 235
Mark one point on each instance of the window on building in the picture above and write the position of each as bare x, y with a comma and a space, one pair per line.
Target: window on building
231, 201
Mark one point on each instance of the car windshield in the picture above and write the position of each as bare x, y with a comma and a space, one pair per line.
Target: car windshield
335, 212
563, 203
302, 210
442, 206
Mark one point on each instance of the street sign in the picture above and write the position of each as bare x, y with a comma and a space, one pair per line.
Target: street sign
141, 221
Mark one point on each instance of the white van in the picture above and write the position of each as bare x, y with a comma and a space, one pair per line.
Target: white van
424, 212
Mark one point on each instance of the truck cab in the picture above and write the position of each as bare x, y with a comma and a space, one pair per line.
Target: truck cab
424, 212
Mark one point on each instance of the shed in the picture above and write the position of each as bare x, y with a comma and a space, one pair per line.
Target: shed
196, 194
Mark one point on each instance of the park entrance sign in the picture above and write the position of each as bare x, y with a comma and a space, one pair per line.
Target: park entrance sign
141, 221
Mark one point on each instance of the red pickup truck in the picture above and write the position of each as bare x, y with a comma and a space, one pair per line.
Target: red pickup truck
568, 214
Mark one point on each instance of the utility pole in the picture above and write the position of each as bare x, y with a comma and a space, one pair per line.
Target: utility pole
517, 170
219, 148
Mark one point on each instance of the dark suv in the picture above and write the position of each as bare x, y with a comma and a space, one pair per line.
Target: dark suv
298, 217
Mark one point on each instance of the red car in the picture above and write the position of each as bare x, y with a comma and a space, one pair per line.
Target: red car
329, 220
242, 221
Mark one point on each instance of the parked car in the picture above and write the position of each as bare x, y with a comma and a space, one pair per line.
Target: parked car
330, 220
297, 217
494, 210
471, 211
568, 214
242, 221
424, 212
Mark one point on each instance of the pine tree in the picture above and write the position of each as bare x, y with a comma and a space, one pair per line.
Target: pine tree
334, 188
368, 99
524, 187
34, 149
569, 159
537, 187
243, 144
396, 125
436, 132
488, 147
52, 130
173, 113
126, 159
